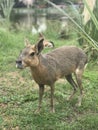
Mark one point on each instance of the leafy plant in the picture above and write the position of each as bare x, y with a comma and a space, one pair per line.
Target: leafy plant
81, 29
6, 8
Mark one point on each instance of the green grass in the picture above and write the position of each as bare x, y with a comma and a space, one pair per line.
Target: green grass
19, 93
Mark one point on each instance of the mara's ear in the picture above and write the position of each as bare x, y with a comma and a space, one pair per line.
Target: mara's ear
39, 46
27, 43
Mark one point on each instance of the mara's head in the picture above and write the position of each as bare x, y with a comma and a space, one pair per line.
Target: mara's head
29, 57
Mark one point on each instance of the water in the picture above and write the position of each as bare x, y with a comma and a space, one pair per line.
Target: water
36, 20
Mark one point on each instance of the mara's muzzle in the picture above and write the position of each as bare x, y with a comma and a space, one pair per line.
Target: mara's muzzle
19, 64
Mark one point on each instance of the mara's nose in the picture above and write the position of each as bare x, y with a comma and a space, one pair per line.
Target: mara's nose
18, 62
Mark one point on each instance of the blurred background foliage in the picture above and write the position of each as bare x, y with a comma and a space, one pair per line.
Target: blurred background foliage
86, 11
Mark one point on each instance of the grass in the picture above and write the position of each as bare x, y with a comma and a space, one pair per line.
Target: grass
19, 93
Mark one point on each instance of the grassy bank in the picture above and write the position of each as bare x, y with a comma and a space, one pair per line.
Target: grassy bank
19, 93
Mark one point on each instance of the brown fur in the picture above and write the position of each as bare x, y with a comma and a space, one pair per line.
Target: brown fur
47, 68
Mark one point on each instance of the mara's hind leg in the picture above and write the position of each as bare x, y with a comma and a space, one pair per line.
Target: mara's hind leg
74, 85
78, 74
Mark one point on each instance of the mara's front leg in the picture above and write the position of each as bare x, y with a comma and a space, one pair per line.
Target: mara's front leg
52, 99
41, 92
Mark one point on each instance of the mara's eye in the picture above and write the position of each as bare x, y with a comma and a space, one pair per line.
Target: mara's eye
32, 54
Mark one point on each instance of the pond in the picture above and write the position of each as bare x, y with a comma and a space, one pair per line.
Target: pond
37, 19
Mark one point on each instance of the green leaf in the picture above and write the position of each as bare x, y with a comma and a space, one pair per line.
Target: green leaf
95, 21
